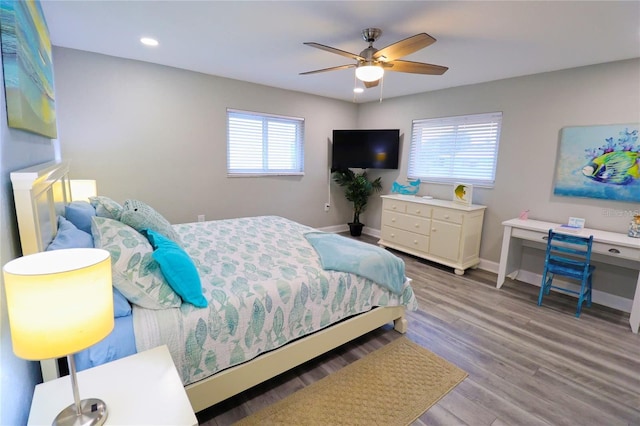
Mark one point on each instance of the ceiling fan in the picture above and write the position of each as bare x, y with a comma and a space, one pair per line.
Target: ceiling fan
371, 62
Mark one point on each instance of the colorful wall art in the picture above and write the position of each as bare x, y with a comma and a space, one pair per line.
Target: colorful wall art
462, 193
599, 162
28, 72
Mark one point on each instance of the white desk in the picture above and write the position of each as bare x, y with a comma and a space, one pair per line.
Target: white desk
612, 247
141, 389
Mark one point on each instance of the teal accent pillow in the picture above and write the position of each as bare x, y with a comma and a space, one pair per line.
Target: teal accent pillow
69, 236
139, 216
134, 272
177, 268
80, 213
106, 207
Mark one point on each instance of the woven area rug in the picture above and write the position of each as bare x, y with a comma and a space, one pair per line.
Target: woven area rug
392, 386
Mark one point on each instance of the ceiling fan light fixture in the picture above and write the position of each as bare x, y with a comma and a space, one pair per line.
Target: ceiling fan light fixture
369, 73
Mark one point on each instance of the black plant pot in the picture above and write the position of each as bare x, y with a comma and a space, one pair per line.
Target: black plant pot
356, 229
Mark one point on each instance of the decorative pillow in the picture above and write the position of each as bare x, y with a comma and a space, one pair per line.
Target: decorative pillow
177, 268
139, 216
135, 273
80, 213
121, 306
106, 207
69, 236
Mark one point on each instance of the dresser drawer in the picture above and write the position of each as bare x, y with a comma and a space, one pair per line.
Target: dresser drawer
394, 205
416, 224
419, 209
405, 238
447, 215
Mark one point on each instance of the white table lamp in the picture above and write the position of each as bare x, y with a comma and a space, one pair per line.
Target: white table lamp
82, 189
61, 302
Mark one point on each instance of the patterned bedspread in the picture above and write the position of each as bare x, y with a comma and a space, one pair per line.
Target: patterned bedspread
265, 287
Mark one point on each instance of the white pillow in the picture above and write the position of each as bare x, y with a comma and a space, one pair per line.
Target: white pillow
135, 273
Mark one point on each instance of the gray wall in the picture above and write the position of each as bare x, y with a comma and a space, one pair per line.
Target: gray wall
158, 134
535, 108
18, 149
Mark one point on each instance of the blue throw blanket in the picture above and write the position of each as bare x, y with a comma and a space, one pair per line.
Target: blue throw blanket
344, 254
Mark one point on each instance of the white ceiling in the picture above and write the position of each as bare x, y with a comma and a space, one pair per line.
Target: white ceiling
262, 41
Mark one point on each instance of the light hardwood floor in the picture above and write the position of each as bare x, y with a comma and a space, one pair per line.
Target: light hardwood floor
527, 365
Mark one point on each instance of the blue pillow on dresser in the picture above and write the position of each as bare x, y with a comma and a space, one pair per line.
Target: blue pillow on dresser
69, 236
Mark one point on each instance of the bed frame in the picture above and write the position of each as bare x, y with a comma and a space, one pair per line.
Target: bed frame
42, 191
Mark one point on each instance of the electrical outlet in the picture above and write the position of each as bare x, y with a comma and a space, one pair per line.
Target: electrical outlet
326, 207
200, 218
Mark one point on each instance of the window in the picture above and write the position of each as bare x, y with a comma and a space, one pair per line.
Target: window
452, 149
262, 144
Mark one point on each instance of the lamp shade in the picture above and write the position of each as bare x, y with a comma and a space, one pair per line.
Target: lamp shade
369, 73
82, 189
59, 302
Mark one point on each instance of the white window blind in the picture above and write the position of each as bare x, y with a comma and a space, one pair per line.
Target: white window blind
263, 144
451, 149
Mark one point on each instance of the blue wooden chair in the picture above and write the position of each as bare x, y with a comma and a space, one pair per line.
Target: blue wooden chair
568, 256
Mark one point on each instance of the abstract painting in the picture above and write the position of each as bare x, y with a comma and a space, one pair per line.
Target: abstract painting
599, 162
28, 72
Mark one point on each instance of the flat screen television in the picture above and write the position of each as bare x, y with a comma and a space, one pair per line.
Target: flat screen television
365, 149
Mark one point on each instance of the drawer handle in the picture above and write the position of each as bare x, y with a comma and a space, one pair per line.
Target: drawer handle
433, 229
446, 216
393, 207
415, 242
614, 251
417, 225
417, 211
545, 238
393, 235
393, 219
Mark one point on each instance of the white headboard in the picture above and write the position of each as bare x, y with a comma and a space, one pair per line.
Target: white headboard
40, 193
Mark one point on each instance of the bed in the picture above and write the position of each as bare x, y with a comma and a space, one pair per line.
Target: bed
270, 305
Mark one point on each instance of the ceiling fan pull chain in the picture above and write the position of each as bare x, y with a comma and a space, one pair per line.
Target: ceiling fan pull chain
381, 84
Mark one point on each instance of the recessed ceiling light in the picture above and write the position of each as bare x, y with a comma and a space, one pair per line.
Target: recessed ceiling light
358, 90
147, 41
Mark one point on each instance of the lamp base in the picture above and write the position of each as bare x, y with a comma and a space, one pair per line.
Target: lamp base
93, 412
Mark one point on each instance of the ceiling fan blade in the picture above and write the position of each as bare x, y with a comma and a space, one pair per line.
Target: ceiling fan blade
334, 50
339, 67
404, 47
370, 84
415, 67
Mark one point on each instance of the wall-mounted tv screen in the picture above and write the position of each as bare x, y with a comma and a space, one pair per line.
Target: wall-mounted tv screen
365, 149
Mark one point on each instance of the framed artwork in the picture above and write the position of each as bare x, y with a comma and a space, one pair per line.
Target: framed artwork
599, 162
26, 63
462, 193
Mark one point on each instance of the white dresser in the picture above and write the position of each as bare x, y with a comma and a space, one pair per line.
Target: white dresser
438, 230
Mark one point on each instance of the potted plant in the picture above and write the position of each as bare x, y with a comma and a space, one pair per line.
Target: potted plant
357, 189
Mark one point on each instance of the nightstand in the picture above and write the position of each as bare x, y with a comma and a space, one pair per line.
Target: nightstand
141, 389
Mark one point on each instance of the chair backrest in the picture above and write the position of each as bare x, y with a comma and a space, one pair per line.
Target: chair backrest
569, 249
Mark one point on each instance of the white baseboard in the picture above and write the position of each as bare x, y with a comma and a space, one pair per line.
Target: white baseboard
600, 297
336, 229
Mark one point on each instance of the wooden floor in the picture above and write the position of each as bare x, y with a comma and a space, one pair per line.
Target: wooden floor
527, 365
